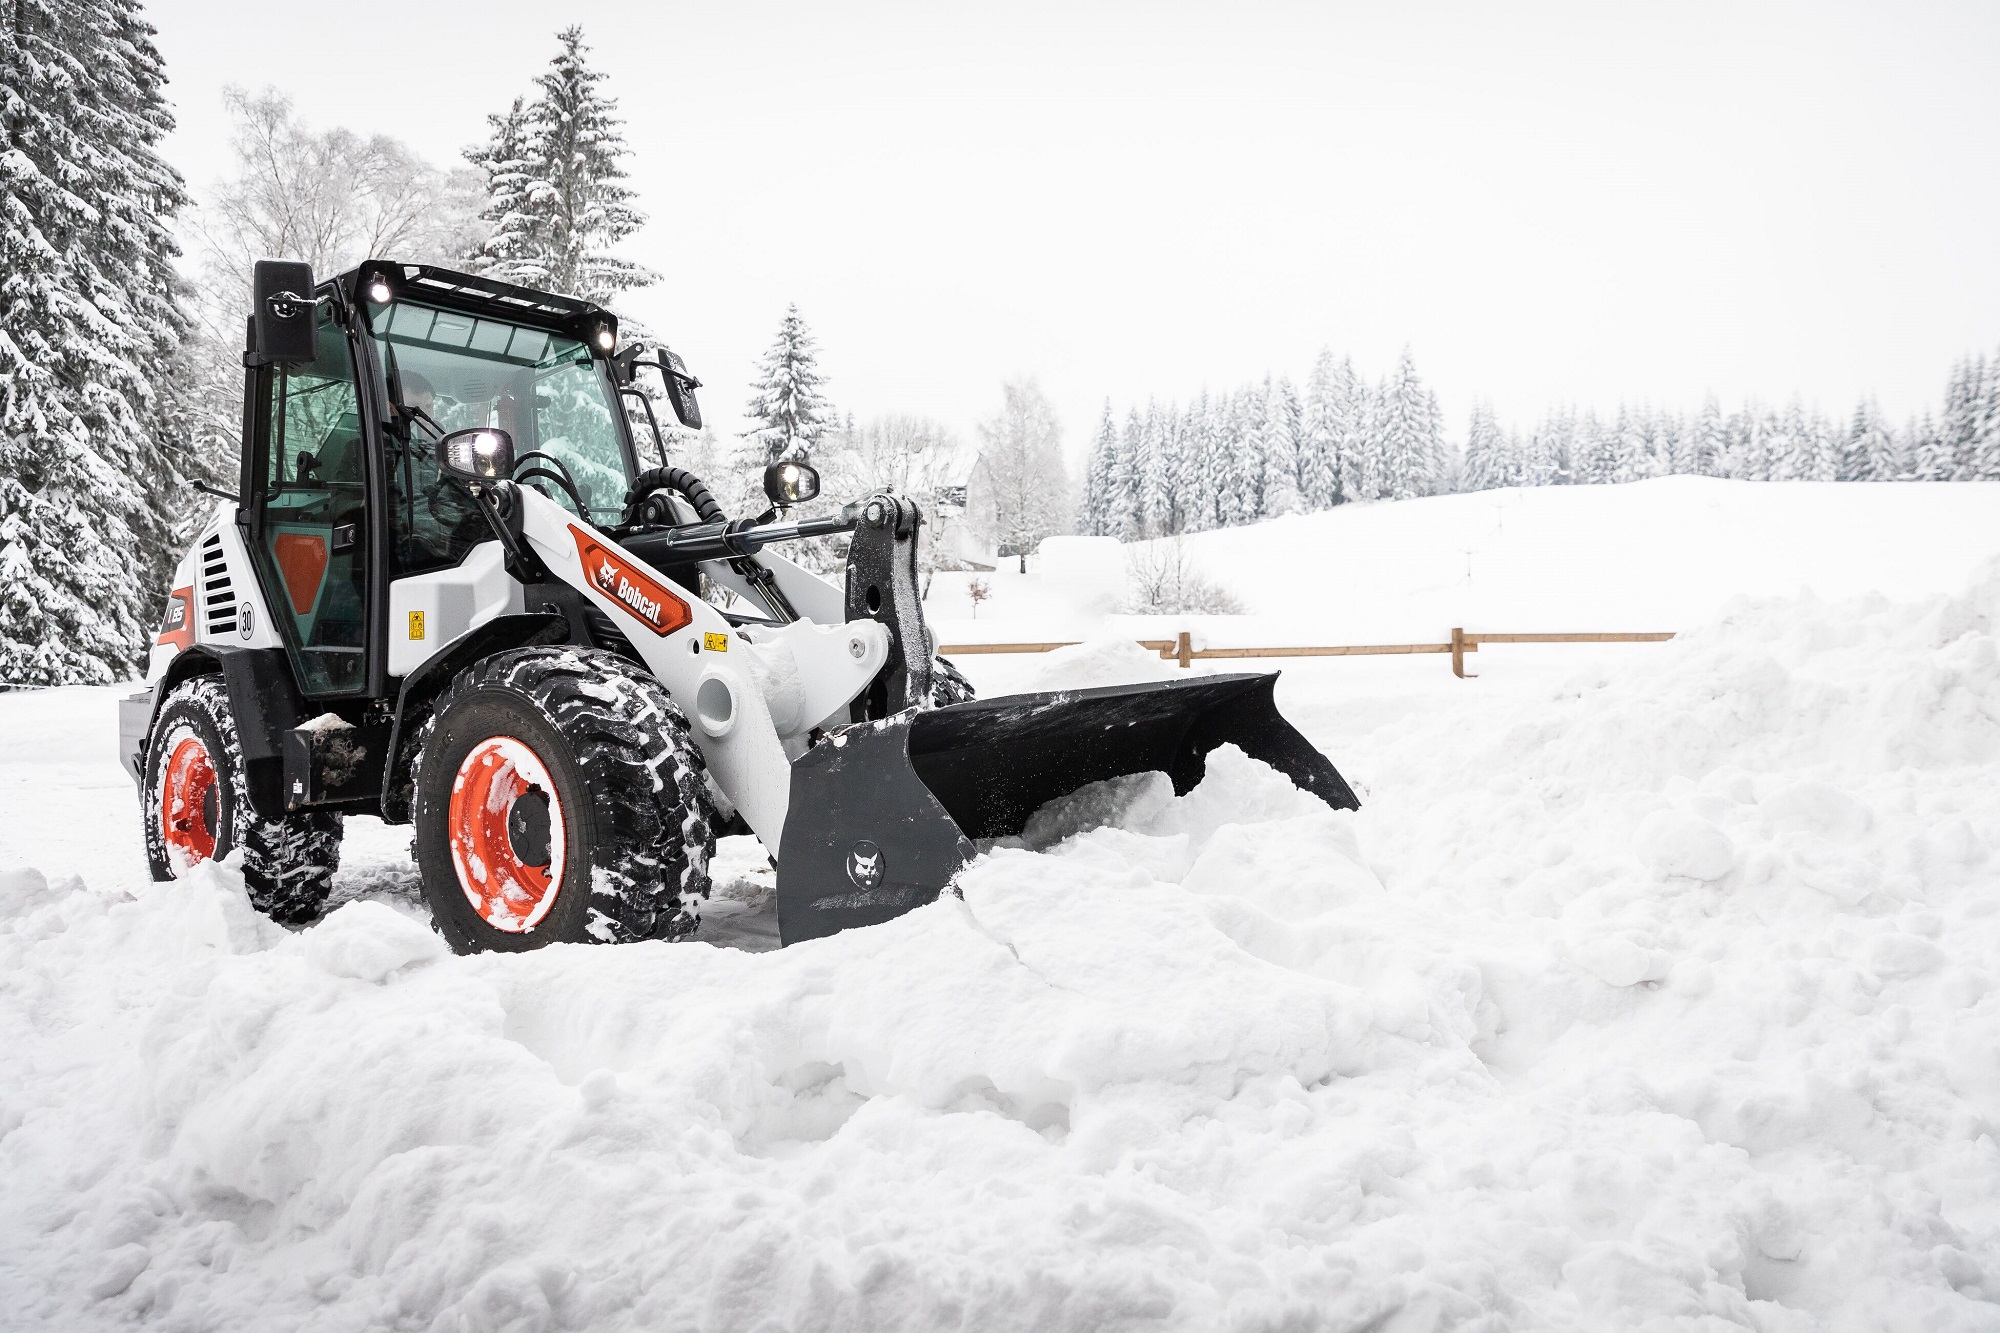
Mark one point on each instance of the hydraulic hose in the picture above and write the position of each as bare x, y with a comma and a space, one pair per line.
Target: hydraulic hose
680, 481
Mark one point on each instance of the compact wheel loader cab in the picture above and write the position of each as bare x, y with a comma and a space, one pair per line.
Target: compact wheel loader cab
458, 590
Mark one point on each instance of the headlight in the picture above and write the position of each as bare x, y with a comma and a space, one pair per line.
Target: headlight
480, 454
789, 483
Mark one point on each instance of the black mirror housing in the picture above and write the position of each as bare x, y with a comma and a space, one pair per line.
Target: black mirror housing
282, 328
788, 483
680, 389
482, 454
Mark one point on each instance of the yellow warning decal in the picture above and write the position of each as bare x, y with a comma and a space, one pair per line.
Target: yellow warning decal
715, 643
416, 624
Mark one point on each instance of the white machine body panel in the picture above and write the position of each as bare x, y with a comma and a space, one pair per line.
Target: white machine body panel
219, 598
428, 611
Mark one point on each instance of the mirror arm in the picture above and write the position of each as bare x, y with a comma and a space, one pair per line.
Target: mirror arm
287, 304
217, 492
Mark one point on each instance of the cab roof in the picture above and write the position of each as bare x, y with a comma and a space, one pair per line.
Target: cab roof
477, 295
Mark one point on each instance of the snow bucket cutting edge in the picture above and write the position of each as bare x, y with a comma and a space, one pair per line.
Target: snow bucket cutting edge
884, 813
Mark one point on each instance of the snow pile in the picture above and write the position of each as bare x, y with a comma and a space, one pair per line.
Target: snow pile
1671, 996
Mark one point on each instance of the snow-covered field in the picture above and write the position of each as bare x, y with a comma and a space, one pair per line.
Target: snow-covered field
1654, 555
1650, 986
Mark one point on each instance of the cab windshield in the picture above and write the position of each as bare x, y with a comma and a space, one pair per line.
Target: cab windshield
450, 371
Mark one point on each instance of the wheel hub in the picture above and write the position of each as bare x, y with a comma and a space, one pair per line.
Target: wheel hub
528, 828
190, 803
506, 833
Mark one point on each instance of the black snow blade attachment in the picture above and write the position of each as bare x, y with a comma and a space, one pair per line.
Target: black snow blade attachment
884, 813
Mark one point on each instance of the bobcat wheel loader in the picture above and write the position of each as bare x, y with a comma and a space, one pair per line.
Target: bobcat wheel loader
450, 592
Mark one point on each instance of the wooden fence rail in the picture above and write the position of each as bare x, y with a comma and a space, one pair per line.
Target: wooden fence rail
1182, 649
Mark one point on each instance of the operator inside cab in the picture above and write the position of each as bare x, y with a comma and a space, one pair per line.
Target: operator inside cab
440, 522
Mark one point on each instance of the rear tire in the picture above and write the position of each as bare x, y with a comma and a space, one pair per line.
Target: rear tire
559, 797
197, 808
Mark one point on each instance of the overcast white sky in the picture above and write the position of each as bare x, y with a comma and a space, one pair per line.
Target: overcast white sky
1546, 202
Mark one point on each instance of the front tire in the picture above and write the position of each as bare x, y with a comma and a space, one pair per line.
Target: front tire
197, 808
949, 685
559, 797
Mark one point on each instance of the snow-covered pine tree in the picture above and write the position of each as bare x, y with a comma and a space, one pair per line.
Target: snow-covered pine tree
1096, 515
1408, 432
1546, 460
1443, 456
1258, 432
1356, 443
1707, 440
514, 223
1673, 439
1868, 448
1984, 464
1241, 448
788, 411
1282, 479
1215, 449
1485, 467
1790, 444
1929, 450
1595, 450
1194, 484
1135, 466
88, 484
1959, 427
1632, 445
1319, 439
1821, 449
556, 172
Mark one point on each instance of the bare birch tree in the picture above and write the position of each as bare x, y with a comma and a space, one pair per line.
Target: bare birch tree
1020, 489
330, 197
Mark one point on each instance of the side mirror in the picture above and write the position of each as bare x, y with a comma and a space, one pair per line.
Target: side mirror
483, 453
282, 329
680, 389
789, 483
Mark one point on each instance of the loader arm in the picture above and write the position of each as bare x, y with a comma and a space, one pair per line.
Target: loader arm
746, 691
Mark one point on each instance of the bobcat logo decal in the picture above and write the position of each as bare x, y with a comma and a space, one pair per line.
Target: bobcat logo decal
864, 864
639, 595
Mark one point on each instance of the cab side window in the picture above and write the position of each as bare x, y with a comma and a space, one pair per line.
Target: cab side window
314, 503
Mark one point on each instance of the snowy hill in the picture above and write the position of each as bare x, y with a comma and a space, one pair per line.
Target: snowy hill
1661, 554
1653, 984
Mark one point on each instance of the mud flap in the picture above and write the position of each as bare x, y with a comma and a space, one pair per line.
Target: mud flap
885, 813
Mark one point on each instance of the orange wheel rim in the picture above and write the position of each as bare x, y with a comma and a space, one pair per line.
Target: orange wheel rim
189, 801
507, 841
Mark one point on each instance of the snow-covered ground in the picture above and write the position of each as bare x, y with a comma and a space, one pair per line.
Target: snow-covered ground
1655, 555
1651, 986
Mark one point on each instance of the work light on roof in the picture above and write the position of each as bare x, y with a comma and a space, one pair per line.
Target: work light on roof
379, 292
606, 338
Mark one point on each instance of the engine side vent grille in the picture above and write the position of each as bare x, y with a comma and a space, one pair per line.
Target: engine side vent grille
218, 599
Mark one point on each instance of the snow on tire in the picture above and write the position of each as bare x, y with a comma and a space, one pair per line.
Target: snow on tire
559, 797
197, 808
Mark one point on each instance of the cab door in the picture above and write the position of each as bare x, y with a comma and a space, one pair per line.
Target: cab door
308, 511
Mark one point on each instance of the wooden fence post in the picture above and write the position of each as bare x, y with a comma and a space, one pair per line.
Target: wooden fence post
1184, 649
1458, 651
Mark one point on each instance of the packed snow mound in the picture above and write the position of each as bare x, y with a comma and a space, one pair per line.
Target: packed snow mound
1665, 999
